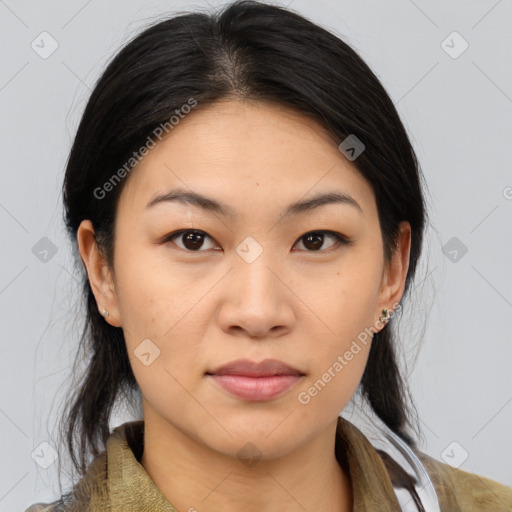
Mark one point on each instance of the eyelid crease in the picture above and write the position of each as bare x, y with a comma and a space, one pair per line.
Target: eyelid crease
340, 238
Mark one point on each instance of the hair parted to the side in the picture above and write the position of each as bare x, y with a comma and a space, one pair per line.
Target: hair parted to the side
247, 50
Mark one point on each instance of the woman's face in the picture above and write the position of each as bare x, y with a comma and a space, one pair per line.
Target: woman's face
250, 283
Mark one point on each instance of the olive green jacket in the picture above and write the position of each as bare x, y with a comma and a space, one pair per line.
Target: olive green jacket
115, 481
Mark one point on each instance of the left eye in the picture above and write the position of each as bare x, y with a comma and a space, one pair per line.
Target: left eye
314, 240
193, 240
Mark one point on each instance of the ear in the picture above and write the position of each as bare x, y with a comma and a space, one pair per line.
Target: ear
395, 272
100, 276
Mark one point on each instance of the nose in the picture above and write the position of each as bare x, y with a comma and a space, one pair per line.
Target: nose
257, 301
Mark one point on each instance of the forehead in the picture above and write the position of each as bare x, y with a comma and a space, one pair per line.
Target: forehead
247, 154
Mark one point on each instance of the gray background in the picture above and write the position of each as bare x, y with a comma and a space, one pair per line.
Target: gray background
458, 111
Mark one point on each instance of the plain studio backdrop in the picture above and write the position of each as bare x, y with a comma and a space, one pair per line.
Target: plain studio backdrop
445, 66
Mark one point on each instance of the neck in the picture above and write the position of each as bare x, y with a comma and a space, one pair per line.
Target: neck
192, 476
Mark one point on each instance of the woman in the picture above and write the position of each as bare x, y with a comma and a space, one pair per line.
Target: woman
249, 213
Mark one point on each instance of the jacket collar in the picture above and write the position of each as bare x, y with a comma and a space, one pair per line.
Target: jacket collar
130, 488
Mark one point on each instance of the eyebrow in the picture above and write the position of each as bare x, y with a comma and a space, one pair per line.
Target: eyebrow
208, 204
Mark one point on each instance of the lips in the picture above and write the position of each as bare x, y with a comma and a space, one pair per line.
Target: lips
256, 382
247, 368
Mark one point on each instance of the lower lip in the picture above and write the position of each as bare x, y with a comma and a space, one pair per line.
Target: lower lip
256, 389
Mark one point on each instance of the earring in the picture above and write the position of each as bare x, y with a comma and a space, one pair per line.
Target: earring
105, 313
385, 317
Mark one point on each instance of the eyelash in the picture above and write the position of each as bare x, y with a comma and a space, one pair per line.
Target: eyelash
337, 236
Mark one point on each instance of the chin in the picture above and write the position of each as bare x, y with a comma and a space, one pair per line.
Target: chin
252, 435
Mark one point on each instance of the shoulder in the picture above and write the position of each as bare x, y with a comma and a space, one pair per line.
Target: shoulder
460, 490
93, 489
93, 486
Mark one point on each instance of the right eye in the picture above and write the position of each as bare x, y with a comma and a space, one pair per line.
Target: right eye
192, 239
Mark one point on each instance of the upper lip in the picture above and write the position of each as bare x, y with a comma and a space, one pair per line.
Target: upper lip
250, 368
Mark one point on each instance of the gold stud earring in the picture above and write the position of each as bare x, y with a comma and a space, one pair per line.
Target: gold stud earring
385, 317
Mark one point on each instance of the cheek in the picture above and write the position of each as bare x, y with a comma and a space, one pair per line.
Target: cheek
159, 309
165, 389
342, 300
336, 373
150, 296
344, 305
164, 357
